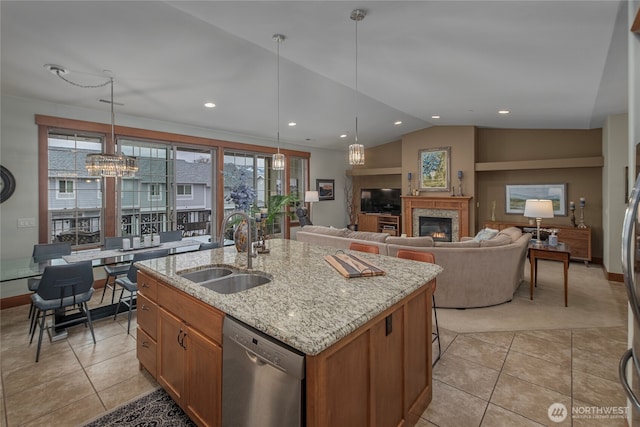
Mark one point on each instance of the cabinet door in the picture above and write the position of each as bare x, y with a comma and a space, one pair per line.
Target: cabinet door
172, 354
367, 222
147, 316
203, 393
387, 370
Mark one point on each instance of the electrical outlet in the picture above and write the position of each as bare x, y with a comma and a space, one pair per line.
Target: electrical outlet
26, 222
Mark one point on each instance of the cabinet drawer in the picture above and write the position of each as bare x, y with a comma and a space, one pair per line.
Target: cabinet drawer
201, 316
146, 351
147, 286
147, 315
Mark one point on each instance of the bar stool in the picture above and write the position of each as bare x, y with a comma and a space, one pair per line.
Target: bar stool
426, 257
362, 247
113, 270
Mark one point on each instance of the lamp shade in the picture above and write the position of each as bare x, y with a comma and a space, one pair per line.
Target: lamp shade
538, 208
311, 196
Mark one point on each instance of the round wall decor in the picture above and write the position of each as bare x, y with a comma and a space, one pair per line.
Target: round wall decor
7, 184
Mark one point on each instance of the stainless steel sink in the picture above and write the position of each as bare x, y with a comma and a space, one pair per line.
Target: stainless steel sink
207, 274
236, 283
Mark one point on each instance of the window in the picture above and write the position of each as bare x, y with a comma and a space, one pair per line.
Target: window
184, 190
154, 192
66, 189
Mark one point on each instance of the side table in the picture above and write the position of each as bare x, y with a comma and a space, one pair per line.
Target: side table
553, 253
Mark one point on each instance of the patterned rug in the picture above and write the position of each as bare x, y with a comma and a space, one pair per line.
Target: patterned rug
156, 409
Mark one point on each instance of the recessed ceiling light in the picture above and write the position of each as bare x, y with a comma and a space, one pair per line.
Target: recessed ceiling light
292, 124
503, 112
344, 135
209, 104
397, 122
435, 117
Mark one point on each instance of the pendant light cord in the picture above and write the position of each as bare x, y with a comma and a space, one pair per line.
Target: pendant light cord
279, 39
356, 19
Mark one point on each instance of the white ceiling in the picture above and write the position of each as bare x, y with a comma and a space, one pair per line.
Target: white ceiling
553, 64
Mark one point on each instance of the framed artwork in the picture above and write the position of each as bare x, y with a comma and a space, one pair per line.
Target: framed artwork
435, 167
516, 196
325, 188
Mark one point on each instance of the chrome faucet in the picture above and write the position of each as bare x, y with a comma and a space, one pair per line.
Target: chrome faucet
250, 252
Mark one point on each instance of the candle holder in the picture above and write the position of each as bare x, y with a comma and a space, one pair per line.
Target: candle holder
581, 224
460, 184
573, 215
409, 181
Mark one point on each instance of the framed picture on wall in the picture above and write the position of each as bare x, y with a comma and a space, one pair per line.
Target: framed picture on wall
435, 169
325, 188
517, 195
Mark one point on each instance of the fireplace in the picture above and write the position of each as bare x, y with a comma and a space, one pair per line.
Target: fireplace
458, 209
436, 227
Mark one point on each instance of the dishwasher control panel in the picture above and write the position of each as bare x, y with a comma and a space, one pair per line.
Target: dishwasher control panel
265, 348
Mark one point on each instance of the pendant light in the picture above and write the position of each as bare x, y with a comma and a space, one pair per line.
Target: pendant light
278, 158
356, 150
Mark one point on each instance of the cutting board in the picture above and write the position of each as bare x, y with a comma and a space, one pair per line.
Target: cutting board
350, 265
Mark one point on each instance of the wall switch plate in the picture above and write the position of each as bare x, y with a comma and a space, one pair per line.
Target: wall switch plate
26, 222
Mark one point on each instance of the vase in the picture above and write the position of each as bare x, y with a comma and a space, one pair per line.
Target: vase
240, 236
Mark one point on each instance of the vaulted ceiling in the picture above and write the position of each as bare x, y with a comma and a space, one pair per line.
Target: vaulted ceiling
552, 64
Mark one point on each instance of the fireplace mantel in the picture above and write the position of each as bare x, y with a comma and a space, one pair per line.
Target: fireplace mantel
461, 204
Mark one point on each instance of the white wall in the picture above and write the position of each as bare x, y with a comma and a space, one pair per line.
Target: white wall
19, 153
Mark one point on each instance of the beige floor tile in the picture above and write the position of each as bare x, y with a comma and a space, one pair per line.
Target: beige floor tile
477, 351
529, 400
602, 341
424, 423
71, 415
105, 349
585, 415
23, 355
466, 376
444, 409
499, 339
561, 336
538, 371
603, 366
50, 396
500, 417
446, 338
114, 370
123, 392
548, 350
597, 391
104, 328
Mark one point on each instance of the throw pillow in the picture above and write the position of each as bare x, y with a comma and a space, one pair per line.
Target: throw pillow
485, 234
499, 240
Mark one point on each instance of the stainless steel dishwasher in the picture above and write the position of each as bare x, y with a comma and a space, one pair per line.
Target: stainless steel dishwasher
262, 379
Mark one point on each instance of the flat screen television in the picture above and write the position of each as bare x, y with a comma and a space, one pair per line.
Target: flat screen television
380, 200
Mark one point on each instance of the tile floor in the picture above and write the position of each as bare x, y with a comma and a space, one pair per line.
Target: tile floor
482, 379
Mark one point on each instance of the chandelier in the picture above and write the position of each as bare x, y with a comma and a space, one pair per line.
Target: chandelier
356, 150
278, 158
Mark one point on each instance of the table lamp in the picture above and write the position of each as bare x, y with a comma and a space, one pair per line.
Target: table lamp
538, 209
311, 197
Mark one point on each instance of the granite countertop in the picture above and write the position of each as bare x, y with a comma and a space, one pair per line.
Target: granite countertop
308, 304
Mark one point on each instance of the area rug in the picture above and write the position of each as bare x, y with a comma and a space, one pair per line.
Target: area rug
156, 409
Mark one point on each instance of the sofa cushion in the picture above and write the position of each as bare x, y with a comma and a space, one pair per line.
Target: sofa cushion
367, 235
513, 233
486, 234
499, 240
466, 244
330, 231
423, 241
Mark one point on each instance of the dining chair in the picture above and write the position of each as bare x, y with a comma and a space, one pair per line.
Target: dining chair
170, 236
113, 271
426, 257
129, 283
362, 247
44, 252
208, 245
67, 286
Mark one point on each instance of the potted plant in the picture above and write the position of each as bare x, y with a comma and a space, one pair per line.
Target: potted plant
278, 205
350, 203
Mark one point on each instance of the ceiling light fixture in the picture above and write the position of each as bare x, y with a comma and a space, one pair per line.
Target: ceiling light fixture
102, 164
503, 112
397, 122
292, 124
435, 117
356, 150
278, 158
209, 104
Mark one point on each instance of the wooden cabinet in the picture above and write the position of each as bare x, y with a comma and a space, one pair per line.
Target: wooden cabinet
179, 343
578, 239
380, 223
380, 375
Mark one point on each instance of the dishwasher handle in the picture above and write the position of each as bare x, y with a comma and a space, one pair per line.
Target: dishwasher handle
255, 358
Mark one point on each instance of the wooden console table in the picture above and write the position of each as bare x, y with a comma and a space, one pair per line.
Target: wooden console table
579, 239
553, 253
380, 223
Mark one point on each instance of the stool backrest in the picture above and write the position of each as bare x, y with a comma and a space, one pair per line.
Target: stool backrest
62, 281
113, 242
47, 251
141, 256
372, 249
417, 256
170, 236
210, 245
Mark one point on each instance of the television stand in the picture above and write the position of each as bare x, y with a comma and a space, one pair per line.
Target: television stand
380, 223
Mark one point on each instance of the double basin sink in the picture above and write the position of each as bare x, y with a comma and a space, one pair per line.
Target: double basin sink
226, 280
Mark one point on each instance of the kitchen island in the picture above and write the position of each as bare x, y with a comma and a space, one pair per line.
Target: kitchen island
367, 340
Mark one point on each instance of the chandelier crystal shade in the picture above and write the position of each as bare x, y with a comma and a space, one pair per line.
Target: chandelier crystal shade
278, 158
356, 150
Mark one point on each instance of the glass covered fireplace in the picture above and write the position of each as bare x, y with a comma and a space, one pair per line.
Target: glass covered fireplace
436, 227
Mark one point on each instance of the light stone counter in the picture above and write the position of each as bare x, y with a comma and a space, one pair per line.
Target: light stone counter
308, 304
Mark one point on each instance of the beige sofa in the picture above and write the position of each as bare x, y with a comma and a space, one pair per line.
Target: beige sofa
477, 273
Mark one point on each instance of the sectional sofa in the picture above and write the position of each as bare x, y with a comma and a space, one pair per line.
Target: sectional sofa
477, 272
